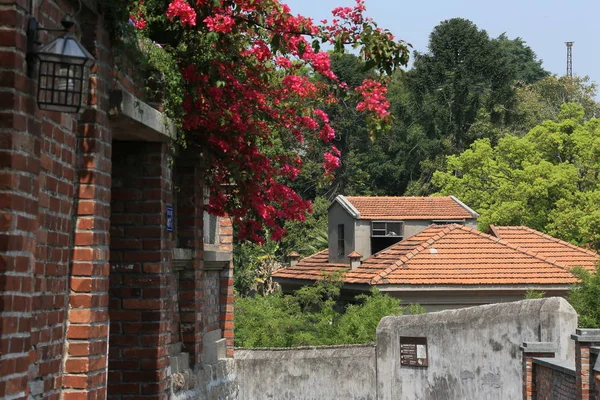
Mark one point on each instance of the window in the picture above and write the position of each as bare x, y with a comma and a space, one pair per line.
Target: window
210, 228
341, 241
211, 224
387, 229
385, 233
449, 221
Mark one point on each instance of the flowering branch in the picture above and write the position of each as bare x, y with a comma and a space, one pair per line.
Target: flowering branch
251, 95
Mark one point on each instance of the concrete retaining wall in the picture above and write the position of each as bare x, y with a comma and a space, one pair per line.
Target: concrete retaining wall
473, 353
315, 373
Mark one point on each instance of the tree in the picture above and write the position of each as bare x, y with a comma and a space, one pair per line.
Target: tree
547, 180
542, 100
522, 59
461, 89
585, 297
246, 69
312, 316
462, 70
254, 265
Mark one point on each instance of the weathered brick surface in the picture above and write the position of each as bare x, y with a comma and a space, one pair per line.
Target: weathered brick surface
226, 306
140, 258
552, 384
65, 187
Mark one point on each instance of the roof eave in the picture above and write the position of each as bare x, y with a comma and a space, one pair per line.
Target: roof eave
346, 205
471, 288
466, 207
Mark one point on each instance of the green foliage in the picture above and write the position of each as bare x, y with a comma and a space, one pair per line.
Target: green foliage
547, 180
585, 297
522, 59
462, 89
310, 236
311, 317
254, 265
543, 99
531, 294
151, 58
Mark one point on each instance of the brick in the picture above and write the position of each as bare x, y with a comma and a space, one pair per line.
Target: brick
143, 304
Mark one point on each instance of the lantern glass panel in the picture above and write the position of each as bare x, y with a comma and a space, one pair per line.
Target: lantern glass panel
60, 86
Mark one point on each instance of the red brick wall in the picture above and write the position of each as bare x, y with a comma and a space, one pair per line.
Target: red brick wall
226, 307
41, 197
552, 384
56, 173
19, 191
140, 258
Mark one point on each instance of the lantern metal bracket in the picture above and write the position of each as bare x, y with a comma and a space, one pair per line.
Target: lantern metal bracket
33, 41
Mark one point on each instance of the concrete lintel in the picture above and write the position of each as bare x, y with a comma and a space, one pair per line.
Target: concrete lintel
564, 366
217, 256
586, 335
216, 260
539, 347
181, 258
132, 119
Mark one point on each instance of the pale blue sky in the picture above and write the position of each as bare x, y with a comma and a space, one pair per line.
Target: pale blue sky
544, 24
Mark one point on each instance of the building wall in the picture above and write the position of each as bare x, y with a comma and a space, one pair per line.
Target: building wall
337, 372
433, 300
473, 353
554, 384
64, 180
337, 215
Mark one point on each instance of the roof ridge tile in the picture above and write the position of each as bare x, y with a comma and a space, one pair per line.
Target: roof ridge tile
406, 257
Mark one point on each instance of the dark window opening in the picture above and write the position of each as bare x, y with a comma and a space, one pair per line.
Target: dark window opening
341, 241
384, 234
449, 221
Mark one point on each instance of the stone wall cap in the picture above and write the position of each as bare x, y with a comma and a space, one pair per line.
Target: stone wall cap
557, 364
539, 347
586, 335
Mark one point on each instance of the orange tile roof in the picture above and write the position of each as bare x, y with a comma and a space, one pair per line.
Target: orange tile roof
546, 246
403, 208
311, 268
443, 255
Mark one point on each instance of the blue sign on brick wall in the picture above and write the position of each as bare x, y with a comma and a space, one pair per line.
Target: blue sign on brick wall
170, 219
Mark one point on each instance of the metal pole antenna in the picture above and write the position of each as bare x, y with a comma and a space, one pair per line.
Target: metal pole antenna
569, 59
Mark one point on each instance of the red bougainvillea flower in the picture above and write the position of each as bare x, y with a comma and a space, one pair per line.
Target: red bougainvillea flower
255, 81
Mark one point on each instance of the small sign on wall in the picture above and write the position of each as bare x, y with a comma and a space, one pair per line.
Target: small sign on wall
413, 351
170, 222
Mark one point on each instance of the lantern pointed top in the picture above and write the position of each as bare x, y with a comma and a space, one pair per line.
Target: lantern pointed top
64, 48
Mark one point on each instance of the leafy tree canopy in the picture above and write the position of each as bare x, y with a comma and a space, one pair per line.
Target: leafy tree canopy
312, 317
460, 90
547, 180
585, 297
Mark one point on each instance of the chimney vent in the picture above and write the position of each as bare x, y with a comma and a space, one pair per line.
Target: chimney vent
355, 259
294, 257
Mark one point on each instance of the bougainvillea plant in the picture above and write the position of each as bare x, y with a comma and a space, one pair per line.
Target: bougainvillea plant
254, 77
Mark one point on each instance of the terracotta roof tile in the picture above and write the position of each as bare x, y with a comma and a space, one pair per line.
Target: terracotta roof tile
406, 208
546, 246
311, 268
449, 255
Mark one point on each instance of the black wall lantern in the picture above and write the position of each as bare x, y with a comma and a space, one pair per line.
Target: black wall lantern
63, 68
